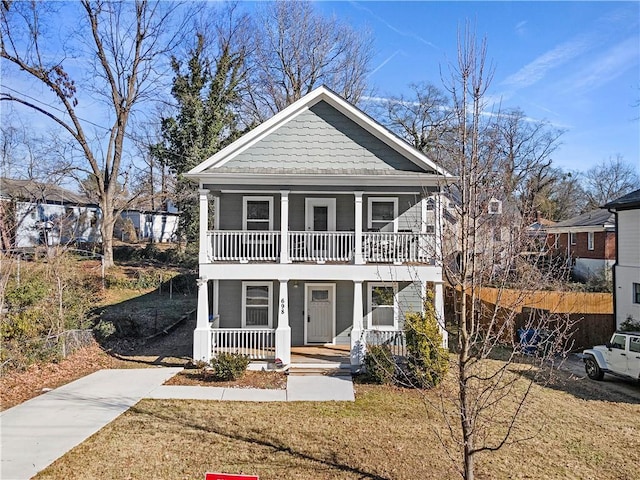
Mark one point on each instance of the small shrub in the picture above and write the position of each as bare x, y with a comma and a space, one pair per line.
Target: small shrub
427, 361
104, 329
379, 364
229, 366
630, 325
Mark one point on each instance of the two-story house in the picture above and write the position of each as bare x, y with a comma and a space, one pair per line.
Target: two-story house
316, 228
626, 270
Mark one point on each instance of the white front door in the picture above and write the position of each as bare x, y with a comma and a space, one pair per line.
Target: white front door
320, 313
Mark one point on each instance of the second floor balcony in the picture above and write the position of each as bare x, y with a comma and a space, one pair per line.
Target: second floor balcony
320, 247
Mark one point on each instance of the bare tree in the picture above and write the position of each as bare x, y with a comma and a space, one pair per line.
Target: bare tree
525, 148
423, 119
609, 180
494, 379
121, 46
297, 50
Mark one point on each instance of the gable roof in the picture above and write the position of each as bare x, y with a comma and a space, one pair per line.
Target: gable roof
38, 192
599, 219
628, 201
231, 161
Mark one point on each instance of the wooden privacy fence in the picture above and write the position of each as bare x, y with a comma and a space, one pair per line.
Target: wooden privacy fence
590, 313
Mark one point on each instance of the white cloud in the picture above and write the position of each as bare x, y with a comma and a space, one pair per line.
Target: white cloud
536, 70
607, 66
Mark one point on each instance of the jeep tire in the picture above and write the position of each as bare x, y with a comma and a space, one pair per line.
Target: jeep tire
593, 370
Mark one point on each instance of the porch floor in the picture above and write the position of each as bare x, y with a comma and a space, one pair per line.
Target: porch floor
321, 354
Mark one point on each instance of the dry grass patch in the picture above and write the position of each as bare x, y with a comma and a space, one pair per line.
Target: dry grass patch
388, 433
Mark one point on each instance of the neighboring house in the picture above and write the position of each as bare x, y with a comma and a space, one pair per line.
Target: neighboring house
626, 270
321, 234
155, 226
537, 232
588, 241
35, 213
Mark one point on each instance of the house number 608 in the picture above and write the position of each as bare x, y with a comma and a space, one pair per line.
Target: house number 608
282, 305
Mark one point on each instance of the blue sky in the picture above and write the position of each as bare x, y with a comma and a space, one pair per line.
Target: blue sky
574, 64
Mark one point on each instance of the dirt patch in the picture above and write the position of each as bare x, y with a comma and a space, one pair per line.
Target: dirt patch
250, 379
19, 386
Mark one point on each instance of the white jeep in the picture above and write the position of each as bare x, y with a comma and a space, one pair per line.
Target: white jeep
620, 356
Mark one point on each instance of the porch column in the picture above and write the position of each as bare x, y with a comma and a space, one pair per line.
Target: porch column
202, 333
358, 260
357, 344
438, 299
203, 256
283, 332
284, 226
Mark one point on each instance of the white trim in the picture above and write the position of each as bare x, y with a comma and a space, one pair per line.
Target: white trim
409, 180
311, 202
332, 289
256, 198
371, 200
319, 94
370, 287
269, 285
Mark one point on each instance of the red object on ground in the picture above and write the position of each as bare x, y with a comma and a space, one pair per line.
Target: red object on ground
229, 476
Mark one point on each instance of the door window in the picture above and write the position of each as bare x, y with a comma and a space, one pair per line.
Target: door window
634, 344
618, 341
320, 218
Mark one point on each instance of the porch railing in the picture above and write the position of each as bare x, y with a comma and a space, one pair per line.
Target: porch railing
321, 246
256, 343
394, 339
230, 245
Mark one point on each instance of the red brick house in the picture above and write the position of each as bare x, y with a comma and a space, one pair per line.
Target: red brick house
588, 241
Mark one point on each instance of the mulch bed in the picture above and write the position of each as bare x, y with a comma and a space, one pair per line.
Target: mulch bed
19, 386
250, 379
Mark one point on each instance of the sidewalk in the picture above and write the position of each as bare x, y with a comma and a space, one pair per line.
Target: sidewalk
37, 432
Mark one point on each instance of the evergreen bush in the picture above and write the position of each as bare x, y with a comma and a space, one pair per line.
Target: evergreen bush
427, 361
379, 364
228, 366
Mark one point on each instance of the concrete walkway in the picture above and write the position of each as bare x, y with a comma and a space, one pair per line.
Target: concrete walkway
37, 432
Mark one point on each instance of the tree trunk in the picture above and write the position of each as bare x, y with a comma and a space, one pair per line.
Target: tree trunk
106, 229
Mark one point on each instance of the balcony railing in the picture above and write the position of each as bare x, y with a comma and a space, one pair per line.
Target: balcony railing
230, 245
320, 247
403, 247
256, 343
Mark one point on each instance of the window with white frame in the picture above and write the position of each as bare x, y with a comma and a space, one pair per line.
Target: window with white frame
556, 239
495, 207
382, 306
430, 229
590, 240
257, 213
572, 238
257, 311
383, 214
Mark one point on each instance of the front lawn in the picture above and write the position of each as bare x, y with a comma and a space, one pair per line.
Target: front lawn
588, 432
